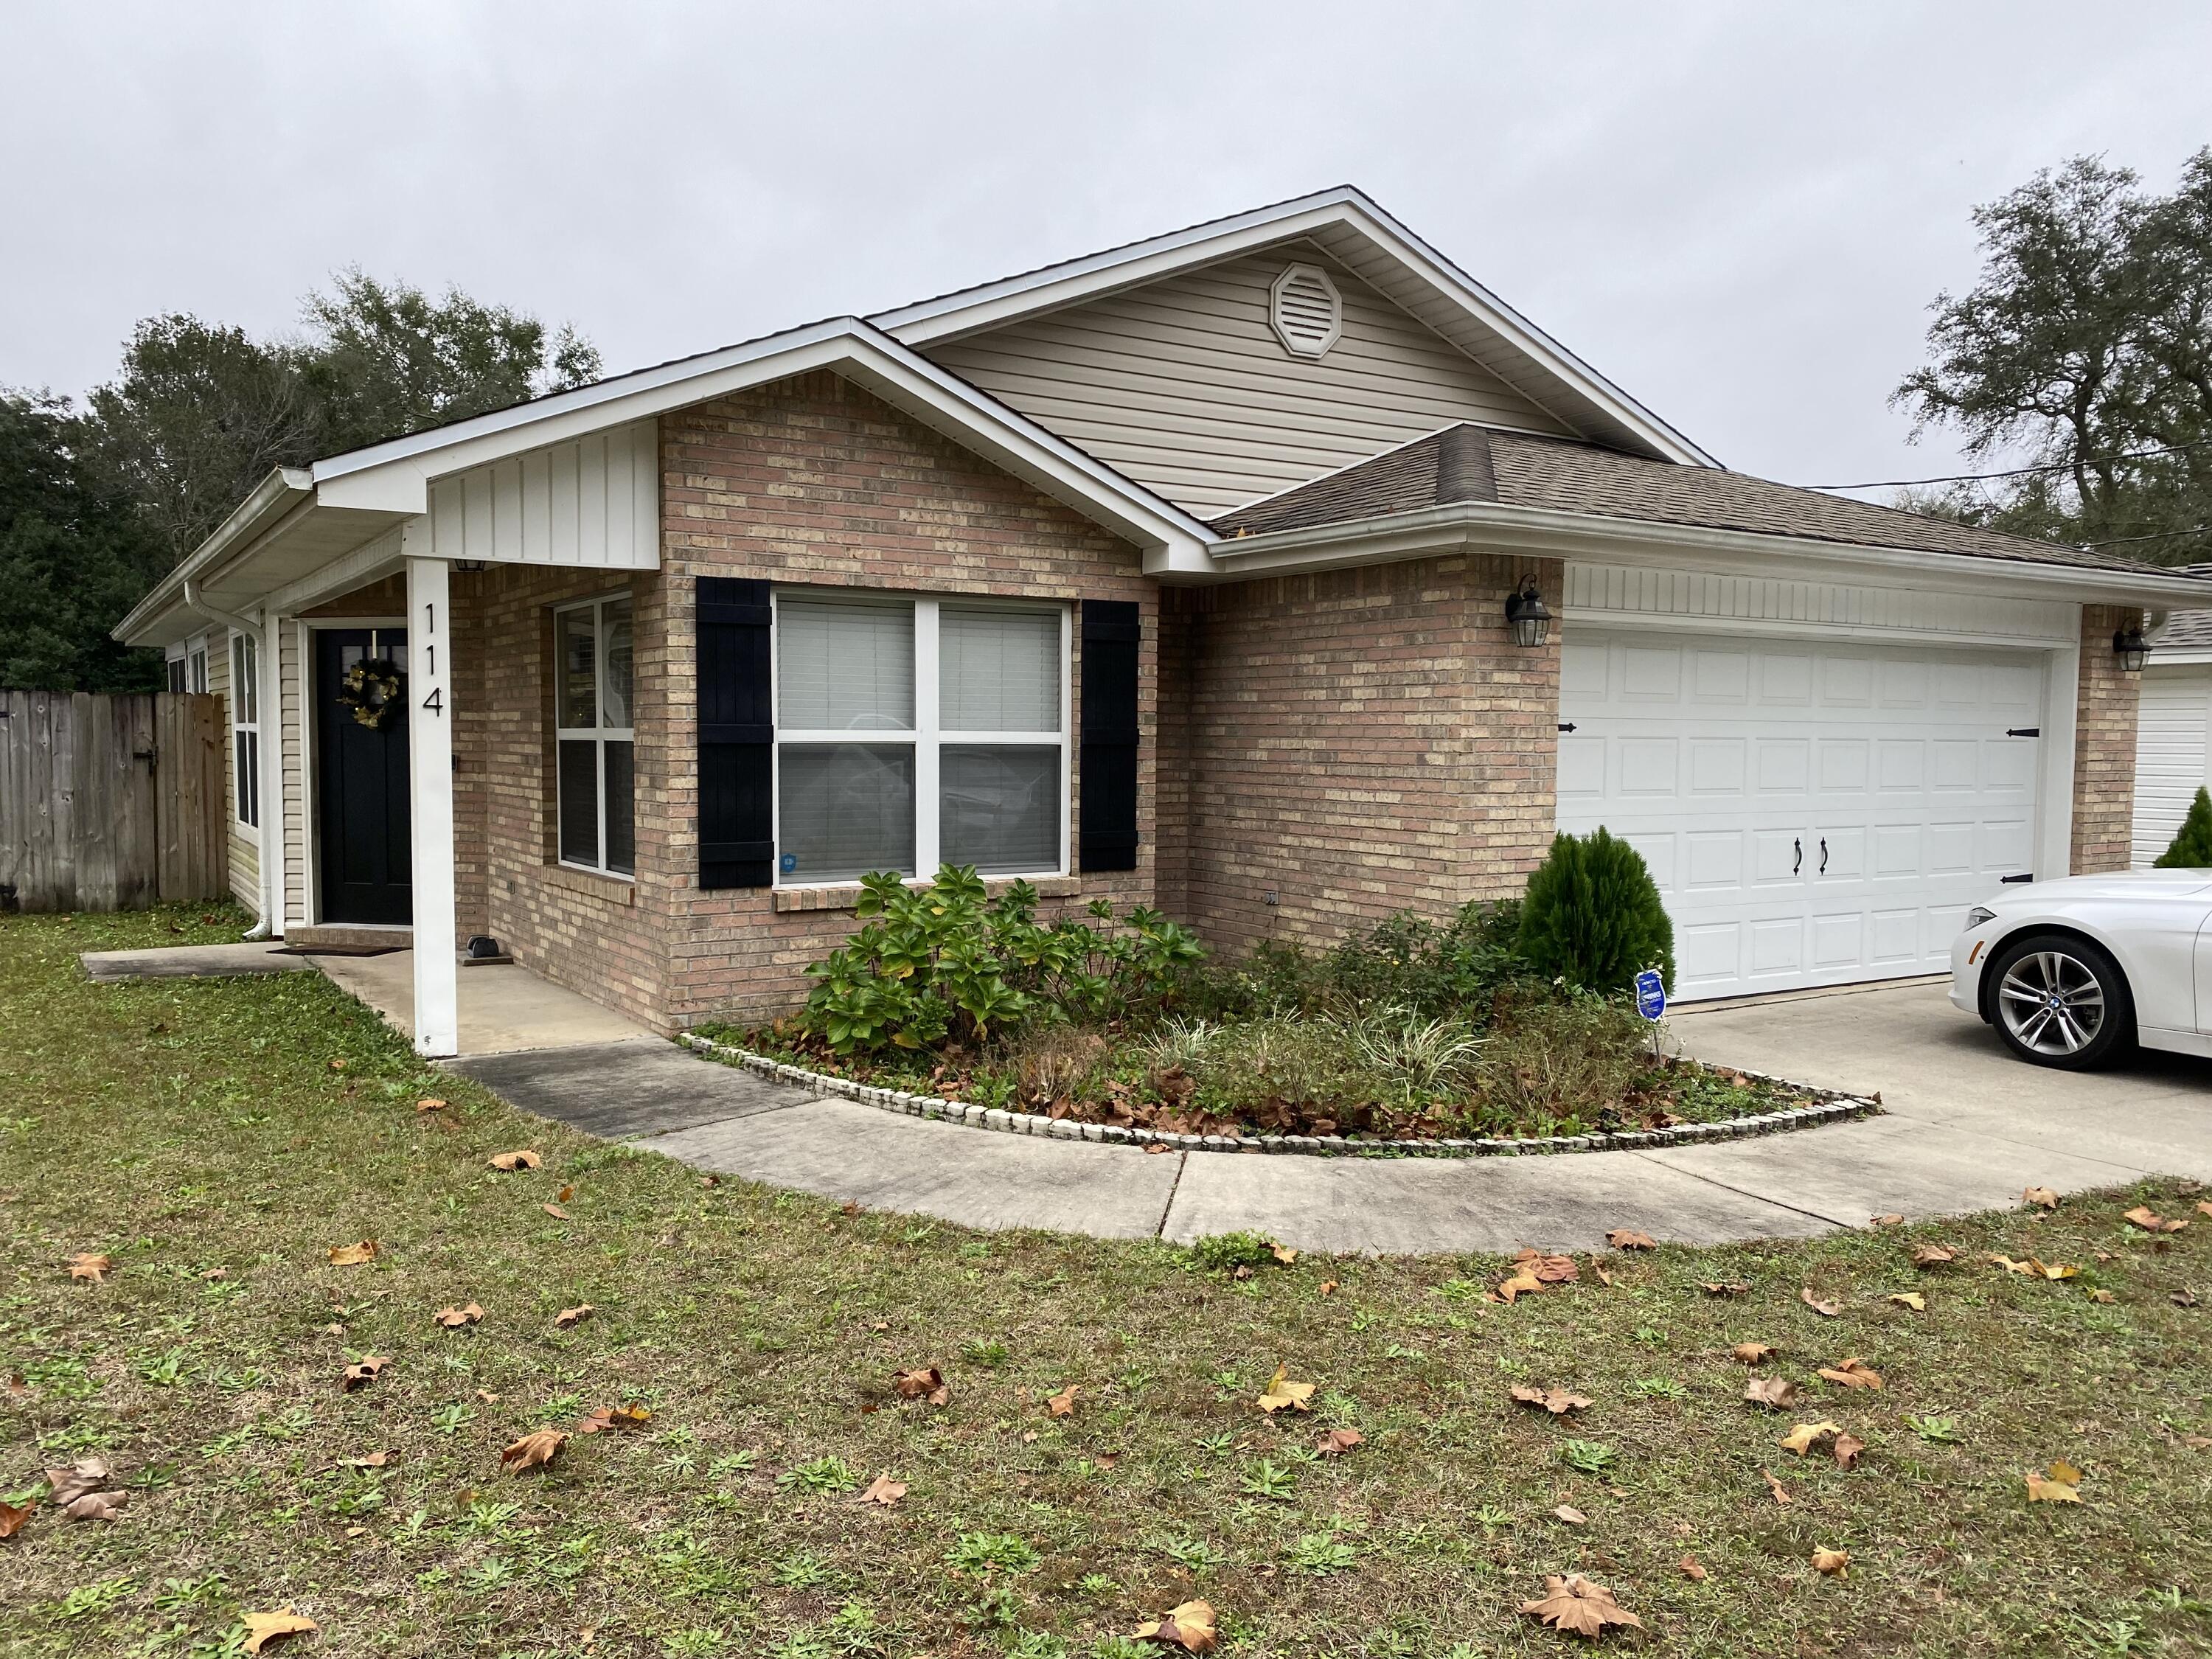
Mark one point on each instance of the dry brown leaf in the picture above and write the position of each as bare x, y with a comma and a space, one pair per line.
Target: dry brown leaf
91, 1266
263, 1628
923, 1382
2183, 1297
1836, 1563
1773, 1392
2041, 1196
429, 1104
1574, 1603
1911, 1299
2053, 1269
1063, 1403
1724, 1287
454, 1318
1547, 1269
533, 1450
884, 1491
1282, 1253
525, 1159
1825, 1310
1805, 1435
1775, 1488
1337, 1442
1891, 1220
96, 1506
569, 1318
1603, 1277
1753, 1353
1189, 1626
1282, 1392
2204, 1206
2150, 1220
1691, 1570
1558, 1401
1627, 1238
73, 1481
2060, 1484
1852, 1374
1521, 1283
352, 1255
1847, 1448
337, 1066
2102, 1296
1932, 1255
566, 1193
1330, 1286
361, 1375
555, 1210
1571, 1515
375, 1459
12, 1518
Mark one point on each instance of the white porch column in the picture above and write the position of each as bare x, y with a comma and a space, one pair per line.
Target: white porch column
430, 805
270, 701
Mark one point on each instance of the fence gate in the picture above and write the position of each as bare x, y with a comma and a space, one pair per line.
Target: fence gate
109, 802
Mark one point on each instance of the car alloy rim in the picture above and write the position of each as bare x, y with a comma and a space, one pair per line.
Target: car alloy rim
2051, 1003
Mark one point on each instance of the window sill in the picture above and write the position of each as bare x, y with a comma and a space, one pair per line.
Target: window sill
846, 896
614, 889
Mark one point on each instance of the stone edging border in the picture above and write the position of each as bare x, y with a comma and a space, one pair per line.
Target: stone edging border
1836, 1109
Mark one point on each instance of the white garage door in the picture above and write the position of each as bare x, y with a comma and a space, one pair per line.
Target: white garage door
1814, 813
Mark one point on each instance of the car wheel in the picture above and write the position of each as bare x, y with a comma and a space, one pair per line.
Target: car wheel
2059, 1001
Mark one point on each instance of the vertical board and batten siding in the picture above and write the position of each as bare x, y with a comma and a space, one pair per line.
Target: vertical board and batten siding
2174, 753
1183, 385
594, 503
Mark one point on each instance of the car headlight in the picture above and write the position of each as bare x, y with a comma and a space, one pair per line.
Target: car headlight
1978, 916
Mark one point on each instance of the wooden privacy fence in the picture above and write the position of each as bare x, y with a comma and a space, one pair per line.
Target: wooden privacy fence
111, 802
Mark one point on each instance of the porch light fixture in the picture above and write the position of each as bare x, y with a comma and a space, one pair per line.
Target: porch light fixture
2129, 647
1528, 615
468, 566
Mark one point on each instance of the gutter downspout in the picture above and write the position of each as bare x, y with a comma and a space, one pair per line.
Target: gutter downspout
267, 696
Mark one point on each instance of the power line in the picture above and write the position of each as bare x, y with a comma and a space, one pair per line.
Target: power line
2017, 471
2154, 536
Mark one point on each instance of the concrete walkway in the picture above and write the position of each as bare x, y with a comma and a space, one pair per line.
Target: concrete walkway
1969, 1129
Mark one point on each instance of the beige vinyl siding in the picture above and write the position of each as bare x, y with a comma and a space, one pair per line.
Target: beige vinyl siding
2174, 753
291, 681
1183, 385
245, 845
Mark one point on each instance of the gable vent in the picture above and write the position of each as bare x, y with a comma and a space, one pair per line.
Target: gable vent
1306, 310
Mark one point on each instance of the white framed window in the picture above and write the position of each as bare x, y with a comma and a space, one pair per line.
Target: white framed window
245, 723
915, 731
196, 669
595, 741
176, 669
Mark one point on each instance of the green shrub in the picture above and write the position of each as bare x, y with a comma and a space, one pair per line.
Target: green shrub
1593, 917
1224, 1253
1402, 961
2192, 847
1550, 1058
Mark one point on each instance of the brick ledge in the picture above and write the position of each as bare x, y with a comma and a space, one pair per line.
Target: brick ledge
846, 896
612, 890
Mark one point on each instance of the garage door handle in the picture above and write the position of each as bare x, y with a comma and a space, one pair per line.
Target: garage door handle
1566, 725
2009, 879
1824, 855
1796, 856
2023, 730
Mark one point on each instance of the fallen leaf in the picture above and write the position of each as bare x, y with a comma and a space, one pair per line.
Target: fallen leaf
1330, 1287
2042, 1197
1911, 1299
2061, 1484
375, 1459
2148, 1219
2204, 1206
96, 1506
1885, 1221
923, 1382
90, 1266
569, 1318
1847, 1448
1825, 1310
1558, 1401
1780, 1493
1520, 1284
12, 1518
1603, 1277
2183, 1297
1805, 1435
361, 1375
1574, 1603
1627, 1238
1337, 1442
613, 1417
2053, 1269
337, 1066
1836, 1563
1282, 1392
884, 1491
1773, 1392
1282, 1253
1724, 1287
1932, 1255
1189, 1626
1691, 1570
1571, 1515
73, 1481
352, 1255
1063, 1403
263, 1628
1852, 1374
1547, 1269
454, 1318
1753, 1353
555, 1210
525, 1159
533, 1450
2102, 1296
430, 1104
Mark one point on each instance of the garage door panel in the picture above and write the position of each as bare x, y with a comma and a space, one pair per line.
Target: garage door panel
1727, 763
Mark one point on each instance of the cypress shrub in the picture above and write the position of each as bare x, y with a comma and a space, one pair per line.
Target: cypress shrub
1593, 916
2192, 847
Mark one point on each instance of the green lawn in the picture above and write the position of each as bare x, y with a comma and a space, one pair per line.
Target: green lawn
206, 1136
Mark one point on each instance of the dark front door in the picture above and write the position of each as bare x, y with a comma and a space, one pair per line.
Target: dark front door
361, 774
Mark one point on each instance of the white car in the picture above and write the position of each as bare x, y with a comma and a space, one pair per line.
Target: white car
2075, 972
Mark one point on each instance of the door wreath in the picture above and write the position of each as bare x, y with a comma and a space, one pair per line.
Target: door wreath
370, 690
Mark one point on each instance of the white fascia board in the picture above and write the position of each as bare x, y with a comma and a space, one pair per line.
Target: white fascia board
1488, 527
395, 477
273, 501
953, 316
2195, 657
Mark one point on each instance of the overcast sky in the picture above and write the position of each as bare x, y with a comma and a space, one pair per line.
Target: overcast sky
1739, 213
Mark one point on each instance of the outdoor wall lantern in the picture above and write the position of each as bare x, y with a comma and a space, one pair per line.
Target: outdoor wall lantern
2128, 644
468, 566
1528, 615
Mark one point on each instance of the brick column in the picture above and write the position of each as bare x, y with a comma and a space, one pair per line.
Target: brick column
2104, 744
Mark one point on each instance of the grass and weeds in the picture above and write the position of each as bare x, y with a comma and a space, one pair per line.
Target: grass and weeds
218, 1140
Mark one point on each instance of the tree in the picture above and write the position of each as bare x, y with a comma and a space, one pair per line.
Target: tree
2192, 845
1592, 916
2086, 342
75, 555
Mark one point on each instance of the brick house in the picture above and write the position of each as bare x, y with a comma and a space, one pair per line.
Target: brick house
1204, 573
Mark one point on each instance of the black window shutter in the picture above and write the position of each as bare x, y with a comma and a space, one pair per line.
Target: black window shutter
1111, 629
737, 736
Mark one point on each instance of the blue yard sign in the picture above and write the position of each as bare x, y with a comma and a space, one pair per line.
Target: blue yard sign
1651, 994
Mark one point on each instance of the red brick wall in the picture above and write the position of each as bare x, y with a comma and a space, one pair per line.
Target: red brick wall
2104, 744
1355, 743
